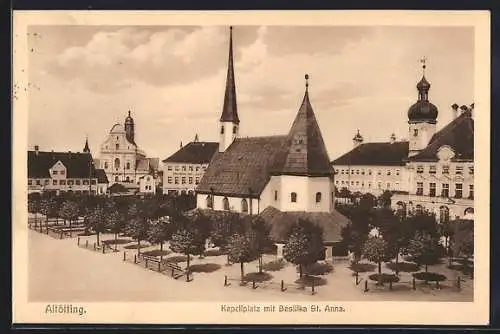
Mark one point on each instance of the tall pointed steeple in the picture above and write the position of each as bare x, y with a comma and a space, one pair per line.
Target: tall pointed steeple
229, 109
306, 152
86, 149
229, 120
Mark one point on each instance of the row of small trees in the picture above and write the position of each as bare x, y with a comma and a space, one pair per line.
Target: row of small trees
158, 220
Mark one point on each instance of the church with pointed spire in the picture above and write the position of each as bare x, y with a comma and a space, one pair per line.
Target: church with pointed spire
280, 178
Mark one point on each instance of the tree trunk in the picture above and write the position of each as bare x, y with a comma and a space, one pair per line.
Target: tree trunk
242, 273
116, 240
138, 246
188, 258
426, 268
161, 251
397, 259
260, 264
379, 268
97, 234
300, 270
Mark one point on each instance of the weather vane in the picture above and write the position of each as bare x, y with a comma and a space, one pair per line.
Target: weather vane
423, 60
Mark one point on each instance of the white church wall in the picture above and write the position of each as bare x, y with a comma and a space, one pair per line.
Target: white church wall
324, 186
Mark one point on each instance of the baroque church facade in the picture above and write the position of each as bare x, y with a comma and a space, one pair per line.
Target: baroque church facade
122, 159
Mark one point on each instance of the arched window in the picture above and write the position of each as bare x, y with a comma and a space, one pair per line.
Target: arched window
318, 197
117, 163
128, 179
244, 206
225, 203
128, 165
234, 129
469, 211
415, 132
222, 130
444, 214
293, 197
105, 165
116, 178
117, 146
210, 203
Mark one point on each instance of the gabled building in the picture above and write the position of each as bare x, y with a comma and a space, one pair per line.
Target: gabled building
63, 172
289, 173
183, 170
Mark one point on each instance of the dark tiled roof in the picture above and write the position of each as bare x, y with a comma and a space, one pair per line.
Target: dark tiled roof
281, 223
306, 152
245, 164
458, 134
229, 109
194, 153
154, 163
101, 176
78, 165
117, 188
383, 154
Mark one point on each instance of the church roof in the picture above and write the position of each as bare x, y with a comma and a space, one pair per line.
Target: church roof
78, 165
377, 154
118, 129
101, 176
229, 109
458, 134
154, 163
306, 151
142, 165
245, 165
194, 153
281, 223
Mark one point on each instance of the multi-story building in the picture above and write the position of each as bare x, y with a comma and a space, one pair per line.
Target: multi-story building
373, 167
121, 158
433, 171
183, 170
64, 172
147, 185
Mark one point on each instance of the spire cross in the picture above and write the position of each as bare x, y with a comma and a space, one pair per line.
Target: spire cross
307, 81
423, 60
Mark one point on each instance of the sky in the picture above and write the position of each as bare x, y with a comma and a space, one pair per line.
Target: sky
84, 79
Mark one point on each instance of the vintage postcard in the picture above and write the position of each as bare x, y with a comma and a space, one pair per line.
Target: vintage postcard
251, 167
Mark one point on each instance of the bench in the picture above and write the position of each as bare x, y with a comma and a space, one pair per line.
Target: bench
175, 267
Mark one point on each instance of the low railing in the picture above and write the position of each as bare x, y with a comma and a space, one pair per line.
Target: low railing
281, 286
101, 248
162, 266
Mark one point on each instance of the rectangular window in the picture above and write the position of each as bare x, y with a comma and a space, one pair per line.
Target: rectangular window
458, 190
369, 172
46, 182
397, 171
63, 172
342, 171
459, 170
183, 180
420, 188
380, 185
362, 184
471, 170
204, 168
357, 183
388, 185
190, 180
420, 169
379, 172
337, 182
176, 168
169, 180
471, 191
197, 168
446, 169
54, 172
357, 171
432, 189
276, 195
62, 182
397, 185
77, 182
190, 168
54, 182
352, 183
169, 167
352, 171
369, 185
197, 180
432, 169
30, 182
183, 168
363, 172
176, 180
343, 181
85, 182
70, 182
445, 191
388, 172
93, 181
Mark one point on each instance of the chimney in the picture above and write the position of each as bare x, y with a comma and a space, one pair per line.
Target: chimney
463, 109
454, 109
36, 149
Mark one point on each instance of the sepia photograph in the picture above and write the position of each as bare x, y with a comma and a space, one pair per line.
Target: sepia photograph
264, 166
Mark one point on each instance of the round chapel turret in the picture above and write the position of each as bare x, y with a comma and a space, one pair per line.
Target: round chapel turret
423, 110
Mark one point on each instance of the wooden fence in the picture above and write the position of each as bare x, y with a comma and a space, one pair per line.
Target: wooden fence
311, 289
165, 267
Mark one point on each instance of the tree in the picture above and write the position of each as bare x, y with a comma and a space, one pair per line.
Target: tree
115, 221
95, 220
376, 250
241, 249
34, 205
424, 249
423, 222
355, 234
304, 245
385, 199
224, 227
137, 226
69, 211
186, 242
367, 201
48, 207
159, 232
260, 233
